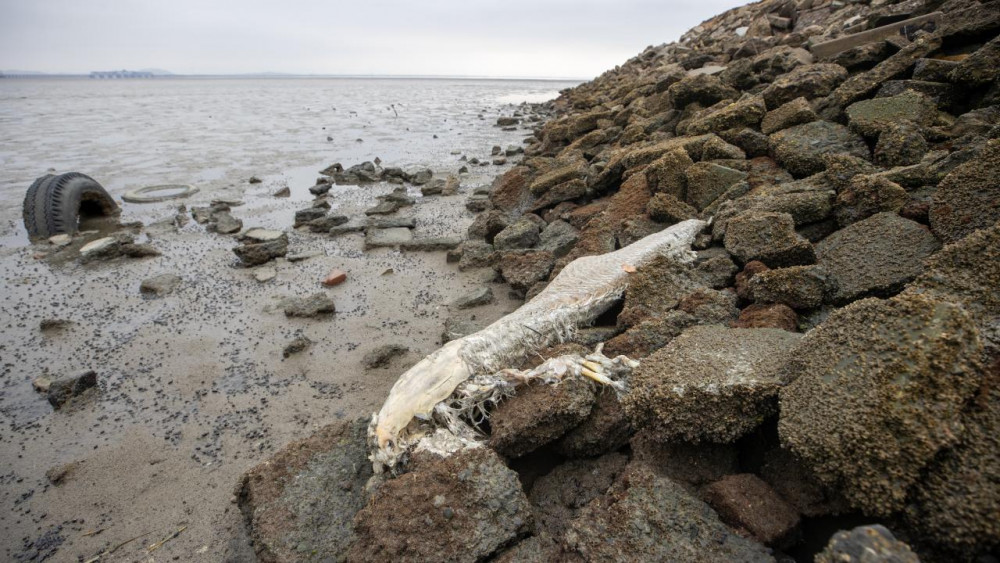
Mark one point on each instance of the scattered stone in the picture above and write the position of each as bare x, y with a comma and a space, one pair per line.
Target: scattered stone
160, 285
315, 305
432, 244
476, 254
384, 208
60, 240
711, 383
870, 375
392, 237
264, 274
381, 356
457, 328
325, 223
299, 344
63, 390
273, 244
304, 216
876, 256
224, 223
746, 502
477, 297
335, 277
866, 543
41, 384
283, 192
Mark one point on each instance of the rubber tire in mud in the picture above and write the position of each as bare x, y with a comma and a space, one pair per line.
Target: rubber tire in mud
52, 204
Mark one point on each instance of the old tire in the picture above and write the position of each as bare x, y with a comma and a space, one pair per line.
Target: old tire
54, 203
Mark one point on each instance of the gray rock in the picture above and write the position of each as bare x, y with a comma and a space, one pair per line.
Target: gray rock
62, 390
160, 285
384, 208
967, 198
559, 237
315, 305
524, 233
224, 223
382, 355
769, 237
261, 235
324, 224
704, 89
391, 222
876, 256
354, 226
304, 498
869, 375
710, 383
980, 67
790, 114
477, 297
252, 254
809, 81
375, 238
432, 244
871, 117
900, 144
477, 203
422, 177
647, 517
304, 216
866, 543
476, 254
455, 328
867, 195
801, 149
264, 274
299, 344
707, 181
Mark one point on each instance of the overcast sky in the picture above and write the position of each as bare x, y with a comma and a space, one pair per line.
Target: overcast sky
502, 38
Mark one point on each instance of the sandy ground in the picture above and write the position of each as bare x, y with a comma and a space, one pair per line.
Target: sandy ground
193, 388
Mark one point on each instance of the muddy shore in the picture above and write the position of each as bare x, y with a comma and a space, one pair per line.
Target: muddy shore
194, 386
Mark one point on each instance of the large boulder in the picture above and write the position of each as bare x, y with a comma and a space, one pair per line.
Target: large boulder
523, 233
666, 174
648, 517
878, 391
867, 195
969, 197
876, 256
711, 383
801, 149
704, 89
789, 114
303, 499
464, 507
799, 287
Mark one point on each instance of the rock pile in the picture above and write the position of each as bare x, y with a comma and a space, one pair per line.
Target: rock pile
832, 351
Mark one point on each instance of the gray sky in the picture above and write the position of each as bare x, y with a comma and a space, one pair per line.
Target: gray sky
503, 38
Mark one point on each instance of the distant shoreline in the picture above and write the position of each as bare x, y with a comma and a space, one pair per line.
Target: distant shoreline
288, 76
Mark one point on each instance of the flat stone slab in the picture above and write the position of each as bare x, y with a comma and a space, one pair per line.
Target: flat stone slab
431, 244
395, 236
830, 48
261, 235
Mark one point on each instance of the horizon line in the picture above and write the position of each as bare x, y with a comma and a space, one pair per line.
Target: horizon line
271, 74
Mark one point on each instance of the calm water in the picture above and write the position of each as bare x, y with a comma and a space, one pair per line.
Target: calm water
216, 133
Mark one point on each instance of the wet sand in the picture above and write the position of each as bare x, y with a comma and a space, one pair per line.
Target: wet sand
193, 387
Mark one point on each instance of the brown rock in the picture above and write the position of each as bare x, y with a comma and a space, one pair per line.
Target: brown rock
335, 277
746, 502
775, 315
538, 415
